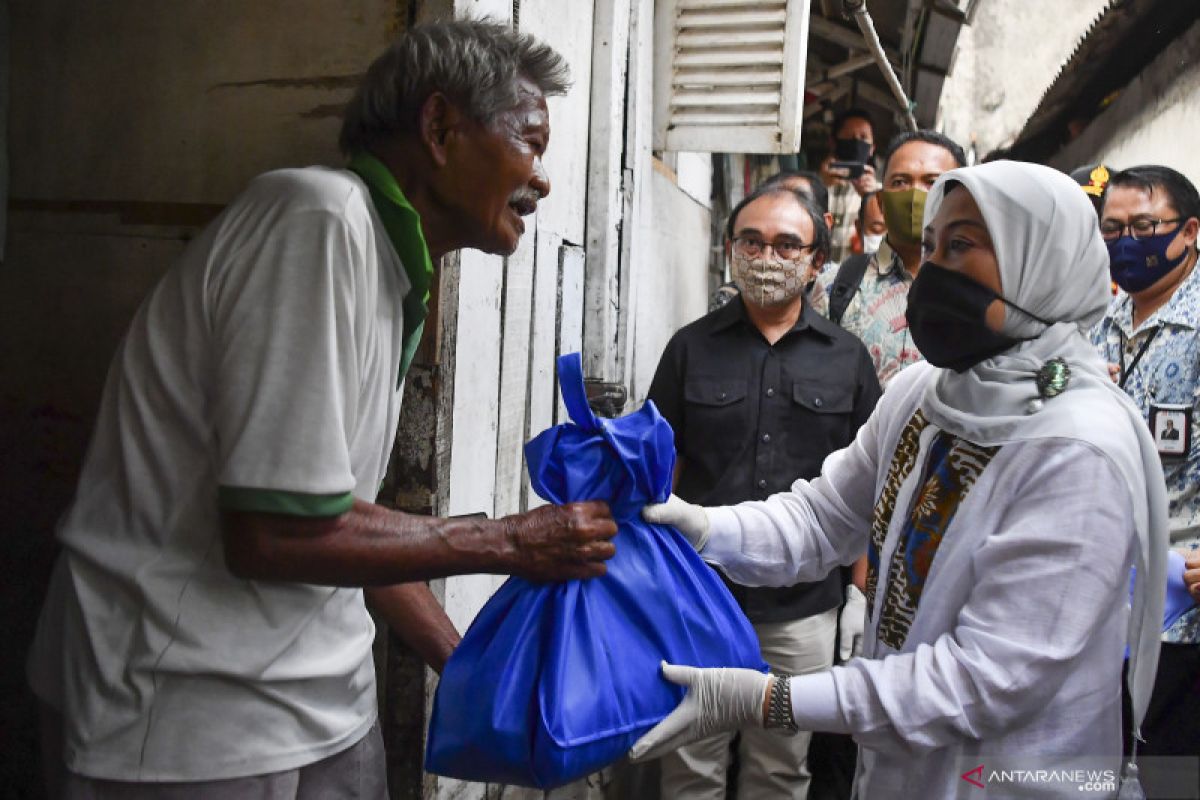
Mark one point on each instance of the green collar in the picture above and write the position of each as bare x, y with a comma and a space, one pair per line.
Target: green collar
403, 226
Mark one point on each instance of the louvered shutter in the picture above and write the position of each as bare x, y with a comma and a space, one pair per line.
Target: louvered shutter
729, 75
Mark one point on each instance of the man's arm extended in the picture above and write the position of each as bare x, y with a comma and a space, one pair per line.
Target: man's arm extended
412, 611
370, 545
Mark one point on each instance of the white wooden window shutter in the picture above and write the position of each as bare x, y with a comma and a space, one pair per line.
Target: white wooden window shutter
729, 75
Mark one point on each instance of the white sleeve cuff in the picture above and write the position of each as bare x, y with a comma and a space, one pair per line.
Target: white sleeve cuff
815, 703
724, 535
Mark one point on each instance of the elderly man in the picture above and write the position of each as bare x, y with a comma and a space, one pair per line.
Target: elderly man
868, 296
1150, 219
206, 633
758, 393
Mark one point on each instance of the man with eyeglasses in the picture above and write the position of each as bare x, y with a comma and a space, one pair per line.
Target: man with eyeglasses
1150, 220
759, 392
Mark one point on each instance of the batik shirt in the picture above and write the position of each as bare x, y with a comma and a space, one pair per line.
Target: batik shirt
876, 312
1168, 373
844, 202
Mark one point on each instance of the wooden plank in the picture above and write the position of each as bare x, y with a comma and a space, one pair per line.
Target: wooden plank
571, 303
542, 345
791, 104
729, 58
610, 45
475, 411
727, 77
750, 38
731, 21
514, 373
565, 210
717, 99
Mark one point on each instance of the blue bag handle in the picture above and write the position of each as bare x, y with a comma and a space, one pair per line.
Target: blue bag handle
574, 395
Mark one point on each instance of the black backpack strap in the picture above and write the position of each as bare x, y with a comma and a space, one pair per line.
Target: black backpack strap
845, 285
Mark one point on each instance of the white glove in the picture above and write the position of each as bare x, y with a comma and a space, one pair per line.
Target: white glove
850, 626
690, 520
718, 699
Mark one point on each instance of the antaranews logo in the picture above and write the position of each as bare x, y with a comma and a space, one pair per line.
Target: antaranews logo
975, 777
1079, 777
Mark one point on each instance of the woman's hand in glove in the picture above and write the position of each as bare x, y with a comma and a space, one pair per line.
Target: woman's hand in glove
718, 699
851, 623
690, 520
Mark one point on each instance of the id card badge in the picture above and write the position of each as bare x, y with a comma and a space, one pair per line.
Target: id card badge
1171, 426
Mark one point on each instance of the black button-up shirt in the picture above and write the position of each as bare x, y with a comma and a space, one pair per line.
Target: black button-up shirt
750, 418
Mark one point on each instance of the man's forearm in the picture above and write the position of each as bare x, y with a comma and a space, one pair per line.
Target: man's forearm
369, 545
412, 611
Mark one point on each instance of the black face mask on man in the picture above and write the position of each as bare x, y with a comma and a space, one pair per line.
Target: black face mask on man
947, 314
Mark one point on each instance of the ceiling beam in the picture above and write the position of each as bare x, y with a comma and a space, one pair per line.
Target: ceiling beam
851, 39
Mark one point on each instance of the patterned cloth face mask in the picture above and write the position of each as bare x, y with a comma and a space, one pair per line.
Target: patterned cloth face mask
770, 281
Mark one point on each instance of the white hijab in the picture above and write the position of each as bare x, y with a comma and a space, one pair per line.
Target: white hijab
1054, 265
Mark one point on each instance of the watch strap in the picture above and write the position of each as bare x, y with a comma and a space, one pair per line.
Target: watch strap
779, 706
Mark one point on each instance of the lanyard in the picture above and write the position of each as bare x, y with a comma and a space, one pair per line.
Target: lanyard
1126, 372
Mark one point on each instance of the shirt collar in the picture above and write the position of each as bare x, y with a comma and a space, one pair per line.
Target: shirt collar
734, 312
403, 226
888, 262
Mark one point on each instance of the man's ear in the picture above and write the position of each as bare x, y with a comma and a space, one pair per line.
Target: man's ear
438, 119
818, 261
829, 220
1191, 230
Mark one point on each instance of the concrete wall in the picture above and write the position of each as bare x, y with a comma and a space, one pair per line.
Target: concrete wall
1150, 122
1006, 60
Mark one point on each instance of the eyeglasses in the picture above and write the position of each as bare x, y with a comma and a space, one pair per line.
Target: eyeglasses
752, 247
1140, 228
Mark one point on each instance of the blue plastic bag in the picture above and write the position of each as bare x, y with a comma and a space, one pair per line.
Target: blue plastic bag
554, 681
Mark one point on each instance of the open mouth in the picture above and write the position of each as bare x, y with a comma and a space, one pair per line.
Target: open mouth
523, 206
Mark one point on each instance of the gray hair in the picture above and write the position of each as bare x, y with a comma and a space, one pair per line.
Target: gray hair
475, 63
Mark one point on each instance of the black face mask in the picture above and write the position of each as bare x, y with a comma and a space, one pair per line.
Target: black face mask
947, 314
856, 150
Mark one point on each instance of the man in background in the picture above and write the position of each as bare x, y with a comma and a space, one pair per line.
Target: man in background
869, 295
848, 172
1150, 335
758, 393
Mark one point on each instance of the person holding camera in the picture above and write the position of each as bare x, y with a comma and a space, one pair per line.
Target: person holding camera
848, 174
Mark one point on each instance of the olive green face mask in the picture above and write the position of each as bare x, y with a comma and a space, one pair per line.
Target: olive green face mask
903, 213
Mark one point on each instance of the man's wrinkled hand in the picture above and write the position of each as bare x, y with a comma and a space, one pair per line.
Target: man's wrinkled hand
559, 543
690, 520
719, 699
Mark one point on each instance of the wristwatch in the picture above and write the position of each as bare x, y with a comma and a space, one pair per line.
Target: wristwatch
779, 706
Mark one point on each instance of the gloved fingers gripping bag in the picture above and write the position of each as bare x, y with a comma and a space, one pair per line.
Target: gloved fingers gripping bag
554, 681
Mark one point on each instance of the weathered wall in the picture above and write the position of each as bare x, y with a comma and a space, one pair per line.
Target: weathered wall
1006, 60
1150, 122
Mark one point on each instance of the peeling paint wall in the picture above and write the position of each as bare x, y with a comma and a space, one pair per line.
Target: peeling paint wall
1007, 59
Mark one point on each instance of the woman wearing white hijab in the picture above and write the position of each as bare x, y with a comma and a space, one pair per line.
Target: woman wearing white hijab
1002, 491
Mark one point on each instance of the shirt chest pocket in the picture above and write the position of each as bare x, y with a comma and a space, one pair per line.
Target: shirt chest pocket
714, 411
822, 417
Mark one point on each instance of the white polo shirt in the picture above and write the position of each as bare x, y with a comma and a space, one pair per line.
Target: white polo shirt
261, 373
